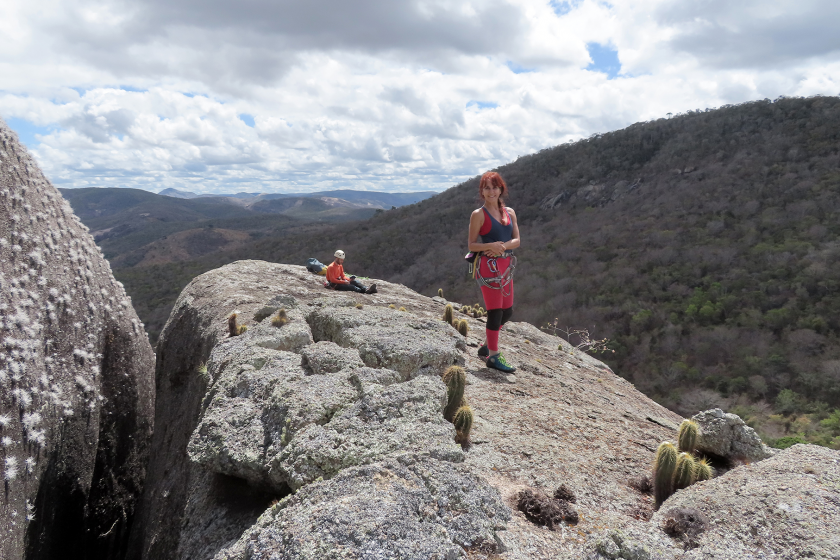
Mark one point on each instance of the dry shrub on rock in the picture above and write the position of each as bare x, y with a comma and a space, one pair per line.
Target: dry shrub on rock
542, 510
685, 524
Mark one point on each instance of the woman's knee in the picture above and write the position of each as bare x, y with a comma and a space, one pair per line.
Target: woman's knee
494, 319
506, 314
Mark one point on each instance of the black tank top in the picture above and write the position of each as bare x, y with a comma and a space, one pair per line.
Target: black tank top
498, 232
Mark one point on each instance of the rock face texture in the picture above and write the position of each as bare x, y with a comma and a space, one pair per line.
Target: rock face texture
325, 438
76, 379
787, 506
728, 436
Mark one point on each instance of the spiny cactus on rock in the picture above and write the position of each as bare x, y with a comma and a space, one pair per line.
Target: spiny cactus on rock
463, 421
455, 379
703, 470
280, 319
233, 328
440, 292
663, 472
447, 313
685, 473
463, 327
688, 436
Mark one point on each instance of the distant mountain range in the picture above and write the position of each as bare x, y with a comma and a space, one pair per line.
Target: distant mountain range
363, 199
129, 223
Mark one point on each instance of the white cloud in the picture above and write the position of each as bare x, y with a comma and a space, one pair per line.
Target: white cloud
375, 94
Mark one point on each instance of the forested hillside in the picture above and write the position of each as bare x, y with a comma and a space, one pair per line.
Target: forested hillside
704, 246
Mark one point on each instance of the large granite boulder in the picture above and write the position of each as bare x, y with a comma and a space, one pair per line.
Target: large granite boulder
407, 507
329, 442
76, 386
341, 395
726, 435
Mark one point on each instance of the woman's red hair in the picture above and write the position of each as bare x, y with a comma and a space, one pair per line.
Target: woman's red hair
493, 178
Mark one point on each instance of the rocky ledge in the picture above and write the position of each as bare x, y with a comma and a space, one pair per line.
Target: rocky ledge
324, 438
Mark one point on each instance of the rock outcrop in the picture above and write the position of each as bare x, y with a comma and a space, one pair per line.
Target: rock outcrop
787, 506
324, 437
76, 392
728, 436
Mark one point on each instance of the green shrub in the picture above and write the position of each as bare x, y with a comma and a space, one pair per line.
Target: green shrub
787, 441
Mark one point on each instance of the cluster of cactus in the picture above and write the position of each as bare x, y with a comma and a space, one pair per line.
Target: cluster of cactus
280, 319
457, 410
461, 325
675, 469
233, 328
476, 311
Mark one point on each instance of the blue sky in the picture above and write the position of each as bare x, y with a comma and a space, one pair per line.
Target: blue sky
285, 96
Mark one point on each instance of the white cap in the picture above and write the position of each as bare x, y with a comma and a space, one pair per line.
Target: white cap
339, 254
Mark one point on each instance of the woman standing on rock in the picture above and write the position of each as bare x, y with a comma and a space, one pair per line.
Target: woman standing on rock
494, 233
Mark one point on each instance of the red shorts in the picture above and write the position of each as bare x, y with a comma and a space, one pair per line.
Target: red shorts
495, 299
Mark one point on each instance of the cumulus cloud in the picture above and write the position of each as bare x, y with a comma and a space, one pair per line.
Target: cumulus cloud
276, 95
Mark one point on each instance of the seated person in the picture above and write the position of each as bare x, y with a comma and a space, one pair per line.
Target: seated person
337, 281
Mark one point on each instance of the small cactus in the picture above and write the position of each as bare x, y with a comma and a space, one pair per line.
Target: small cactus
447, 313
280, 319
403, 309
392, 306
463, 422
359, 306
440, 292
663, 472
463, 327
688, 436
241, 330
455, 379
703, 470
233, 329
684, 475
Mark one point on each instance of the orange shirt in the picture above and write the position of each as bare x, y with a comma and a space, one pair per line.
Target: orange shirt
335, 274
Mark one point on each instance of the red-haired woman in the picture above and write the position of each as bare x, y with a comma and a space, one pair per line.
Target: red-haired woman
494, 233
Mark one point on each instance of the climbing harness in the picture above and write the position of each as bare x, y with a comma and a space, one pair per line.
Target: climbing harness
499, 281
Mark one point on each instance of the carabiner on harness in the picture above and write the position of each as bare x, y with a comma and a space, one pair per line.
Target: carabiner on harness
499, 281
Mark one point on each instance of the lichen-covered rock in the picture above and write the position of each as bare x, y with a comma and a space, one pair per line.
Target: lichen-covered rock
386, 338
364, 377
357, 434
409, 507
76, 385
786, 506
278, 418
253, 409
727, 435
328, 357
400, 418
292, 337
616, 545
